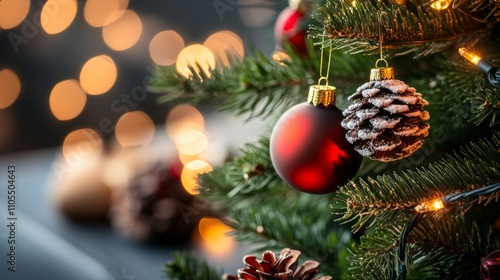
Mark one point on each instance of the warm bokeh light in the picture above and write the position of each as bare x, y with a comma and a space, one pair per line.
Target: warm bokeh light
223, 42
99, 13
165, 47
67, 100
214, 235
98, 75
124, 32
191, 141
13, 12
81, 145
57, 15
10, 87
190, 172
134, 129
281, 57
196, 56
183, 117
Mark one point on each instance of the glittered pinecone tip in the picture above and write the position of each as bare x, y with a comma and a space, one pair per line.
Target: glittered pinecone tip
386, 120
283, 267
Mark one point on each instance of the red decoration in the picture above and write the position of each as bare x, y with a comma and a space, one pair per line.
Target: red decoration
288, 27
309, 150
490, 266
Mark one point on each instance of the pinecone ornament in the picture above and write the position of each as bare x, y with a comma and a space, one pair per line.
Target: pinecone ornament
150, 207
386, 120
283, 267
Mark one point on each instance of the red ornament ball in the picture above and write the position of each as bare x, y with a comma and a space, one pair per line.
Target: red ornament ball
290, 27
309, 150
490, 266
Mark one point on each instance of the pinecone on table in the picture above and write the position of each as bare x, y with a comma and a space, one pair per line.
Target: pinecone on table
283, 267
150, 207
386, 120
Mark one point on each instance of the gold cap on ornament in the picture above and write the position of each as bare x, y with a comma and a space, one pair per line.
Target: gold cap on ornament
382, 73
322, 95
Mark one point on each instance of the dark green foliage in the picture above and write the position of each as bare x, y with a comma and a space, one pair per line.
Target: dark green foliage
388, 198
415, 27
186, 266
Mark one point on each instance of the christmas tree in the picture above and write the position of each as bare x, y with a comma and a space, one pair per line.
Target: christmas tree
429, 210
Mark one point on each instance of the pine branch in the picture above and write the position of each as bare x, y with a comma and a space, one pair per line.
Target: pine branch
414, 27
384, 200
486, 106
442, 246
186, 266
258, 85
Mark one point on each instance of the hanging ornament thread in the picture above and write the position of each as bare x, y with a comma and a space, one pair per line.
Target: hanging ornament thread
308, 148
386, 120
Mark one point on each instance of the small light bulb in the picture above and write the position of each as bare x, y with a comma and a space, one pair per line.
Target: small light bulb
429, 206
441, 4
470, 56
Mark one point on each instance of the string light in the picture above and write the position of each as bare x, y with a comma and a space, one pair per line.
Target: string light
432, 206
440, 5
487, 68
429, 206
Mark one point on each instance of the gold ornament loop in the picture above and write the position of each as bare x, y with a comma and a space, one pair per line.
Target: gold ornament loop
323, 79
383, 60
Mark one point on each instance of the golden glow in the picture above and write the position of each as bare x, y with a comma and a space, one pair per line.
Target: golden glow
441, 4
165, 47
99, 13
281, 57
223, 42
124, 32
429, 206
81, 144
57, 15
10, 87
214, 235
67, 100
98, 75
196, 56
183, 117
134, 129
190, 172
191, 142
13, 12
470, 56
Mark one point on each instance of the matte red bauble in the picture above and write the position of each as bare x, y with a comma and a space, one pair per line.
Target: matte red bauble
490, 266
308, 146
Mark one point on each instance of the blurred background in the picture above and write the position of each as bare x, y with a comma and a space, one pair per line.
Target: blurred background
106, 175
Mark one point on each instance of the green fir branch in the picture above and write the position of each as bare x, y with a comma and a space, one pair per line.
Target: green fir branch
414, 27
442, 246
486, 106
386, 199
187, 266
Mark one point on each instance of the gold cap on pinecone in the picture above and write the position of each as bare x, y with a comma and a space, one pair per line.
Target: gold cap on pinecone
382, 73
322, 95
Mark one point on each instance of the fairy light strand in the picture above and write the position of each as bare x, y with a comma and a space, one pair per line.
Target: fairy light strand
421, 211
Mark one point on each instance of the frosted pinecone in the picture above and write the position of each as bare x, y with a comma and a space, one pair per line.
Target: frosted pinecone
386, 120
283, 267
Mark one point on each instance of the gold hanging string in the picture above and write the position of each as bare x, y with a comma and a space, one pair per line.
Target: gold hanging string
322, 95
321, 77
381, 73
380, 40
